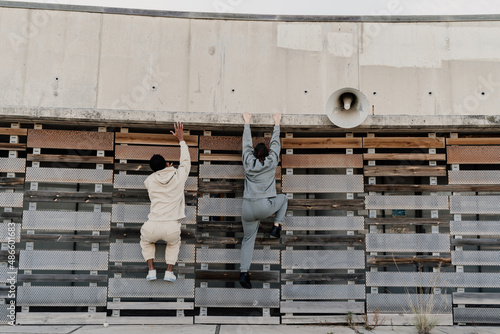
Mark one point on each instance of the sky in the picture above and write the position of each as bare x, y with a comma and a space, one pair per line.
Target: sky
296, 7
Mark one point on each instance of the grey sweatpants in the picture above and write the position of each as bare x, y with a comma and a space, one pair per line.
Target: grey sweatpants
253, 211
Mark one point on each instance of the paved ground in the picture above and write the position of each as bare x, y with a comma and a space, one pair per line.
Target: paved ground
236, 329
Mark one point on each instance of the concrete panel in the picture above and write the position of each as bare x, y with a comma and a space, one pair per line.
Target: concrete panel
144, 63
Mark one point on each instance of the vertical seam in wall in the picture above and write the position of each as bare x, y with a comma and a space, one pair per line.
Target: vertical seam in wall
98, 74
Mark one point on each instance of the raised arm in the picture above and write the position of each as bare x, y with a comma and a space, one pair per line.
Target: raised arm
275, 145
247, 137
185, 160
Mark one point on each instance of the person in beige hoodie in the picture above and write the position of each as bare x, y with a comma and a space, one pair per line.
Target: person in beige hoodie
166, 192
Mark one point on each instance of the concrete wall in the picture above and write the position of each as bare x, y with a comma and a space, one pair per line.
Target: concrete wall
62, 59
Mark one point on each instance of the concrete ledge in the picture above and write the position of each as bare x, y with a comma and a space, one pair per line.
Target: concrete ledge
207, 120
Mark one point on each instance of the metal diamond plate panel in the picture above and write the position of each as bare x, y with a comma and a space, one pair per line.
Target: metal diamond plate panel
12, 165
475, 204
473, 154
477, 315
474, 177
3, 314
131, 213
140, 288
78, 140
66, 220
146, 152
475, 227
322, 161
8, 232
227, 143
220, 297
408, 202
137, 182
63, 260
233, 256
6, 273
61, 296
405, 303
407, 242
131, 252
322, 292
230, 207
11, 200
322, 183
323, 259
443, 279
69, 175
330, 223
222, 172
475, 258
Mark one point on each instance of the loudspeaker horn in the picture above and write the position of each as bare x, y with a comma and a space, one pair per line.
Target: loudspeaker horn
347, 107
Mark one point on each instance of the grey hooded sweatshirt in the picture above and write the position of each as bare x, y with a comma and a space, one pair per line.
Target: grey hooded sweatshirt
166, 189
260, 178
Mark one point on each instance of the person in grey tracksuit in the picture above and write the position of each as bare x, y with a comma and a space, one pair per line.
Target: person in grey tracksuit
259, 197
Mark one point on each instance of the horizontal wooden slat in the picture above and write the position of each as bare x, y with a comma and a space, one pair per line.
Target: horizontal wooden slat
322, 307
160, 266
63, 318
473, 154
473, 141
121, 232
13, 132
148, 320
234, 275
403, 142
396, 260
67, 197
70, 158
12, 147
221, 186
10, 215
234, 241
153, 139
146, 152
150, 306
325, 204
322, 161
322, 277
223, 143
66, 238
321, 143
431, 188
248, 320
405, 171
220, 157
320, 240
478, 298
314, 319
410, 319
78, 140
61, 278
404, 156
11, 182
407, 221
477, 242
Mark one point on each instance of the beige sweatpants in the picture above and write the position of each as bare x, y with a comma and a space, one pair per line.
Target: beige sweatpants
168, 231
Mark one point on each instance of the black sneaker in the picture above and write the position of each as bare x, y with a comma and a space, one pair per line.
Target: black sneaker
275, 232
245, 281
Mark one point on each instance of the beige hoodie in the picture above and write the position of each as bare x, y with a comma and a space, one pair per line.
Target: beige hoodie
166, 189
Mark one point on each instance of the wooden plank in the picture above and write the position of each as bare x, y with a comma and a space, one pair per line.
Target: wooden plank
409, 319
142, 167
321, 307
144, 268
4, 255
70, 158
234, 275
121, 232
216, 187
325, 204
322, 277
478, 298
104, 239
150, 305
150, 320
10, 215
153, 139
407, 221
62, 318
405, 171
234, 241
314, 319
237, 320
431, 188
403, 142
12, 147
231, 226
472, 141
322, 161
396, 260
321, 240
136, 196
67, 197
321, 143
11, 182
78, 140
13, 132
61, 278
139, 152
404, 156
476, 242
220, 157
473, 154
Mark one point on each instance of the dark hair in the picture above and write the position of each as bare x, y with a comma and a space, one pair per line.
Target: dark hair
157, 162
261, 151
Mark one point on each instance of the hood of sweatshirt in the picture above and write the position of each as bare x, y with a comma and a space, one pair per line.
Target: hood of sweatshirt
165, 175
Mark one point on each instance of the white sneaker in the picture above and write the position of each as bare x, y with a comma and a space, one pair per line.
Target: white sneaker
151, 275
169, 276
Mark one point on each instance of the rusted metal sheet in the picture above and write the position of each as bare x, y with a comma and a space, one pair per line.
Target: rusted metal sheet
227, 143
322, 161
473, 154
78, 140
403, 142
146, 152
